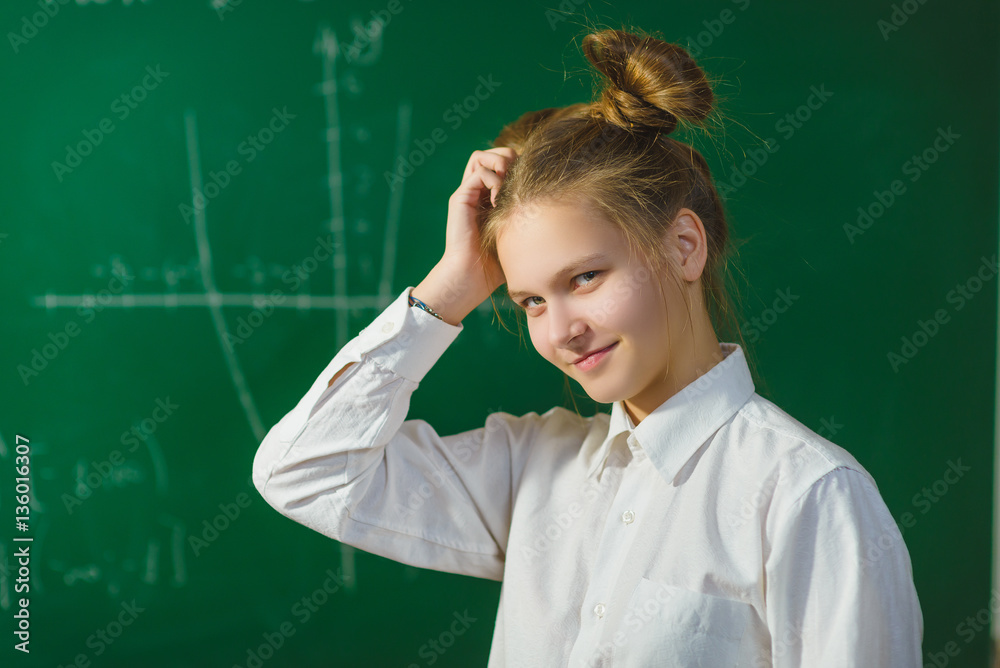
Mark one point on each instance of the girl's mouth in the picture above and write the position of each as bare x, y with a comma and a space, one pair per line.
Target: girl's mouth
595, 358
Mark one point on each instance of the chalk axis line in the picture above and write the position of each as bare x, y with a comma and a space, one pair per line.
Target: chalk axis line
326, 46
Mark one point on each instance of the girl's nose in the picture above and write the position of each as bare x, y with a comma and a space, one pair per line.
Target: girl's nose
565, 324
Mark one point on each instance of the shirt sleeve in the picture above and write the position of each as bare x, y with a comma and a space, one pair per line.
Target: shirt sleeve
347, 464
840, 586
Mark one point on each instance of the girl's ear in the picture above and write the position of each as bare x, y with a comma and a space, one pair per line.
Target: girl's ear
687, 241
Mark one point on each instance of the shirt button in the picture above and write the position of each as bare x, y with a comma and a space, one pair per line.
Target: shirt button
387, 327
599, 609
628, 517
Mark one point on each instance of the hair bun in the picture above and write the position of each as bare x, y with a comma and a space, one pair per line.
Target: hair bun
653, 83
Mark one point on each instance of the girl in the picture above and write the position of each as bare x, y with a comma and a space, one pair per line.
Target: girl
697, 524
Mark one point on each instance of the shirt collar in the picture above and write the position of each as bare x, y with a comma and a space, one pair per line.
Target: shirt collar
680, 425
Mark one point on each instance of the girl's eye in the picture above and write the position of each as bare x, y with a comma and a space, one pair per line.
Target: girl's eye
592, 274
527, 302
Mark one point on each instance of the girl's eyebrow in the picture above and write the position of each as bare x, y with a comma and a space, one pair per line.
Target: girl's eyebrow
515, 295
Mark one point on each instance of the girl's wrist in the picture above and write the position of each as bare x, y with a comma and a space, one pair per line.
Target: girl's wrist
445, 294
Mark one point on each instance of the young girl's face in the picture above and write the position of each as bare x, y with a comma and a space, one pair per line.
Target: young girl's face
569, 270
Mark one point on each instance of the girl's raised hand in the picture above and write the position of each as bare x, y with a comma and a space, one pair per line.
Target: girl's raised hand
482, 178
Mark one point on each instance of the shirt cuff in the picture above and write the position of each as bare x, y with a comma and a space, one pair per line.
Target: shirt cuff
406, 339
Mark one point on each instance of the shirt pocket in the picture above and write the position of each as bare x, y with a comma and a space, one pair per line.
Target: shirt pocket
671, 626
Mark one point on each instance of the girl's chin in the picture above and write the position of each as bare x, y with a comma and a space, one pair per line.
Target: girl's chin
603, 395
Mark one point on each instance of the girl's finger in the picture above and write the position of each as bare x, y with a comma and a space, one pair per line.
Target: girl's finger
496, 159
483, 177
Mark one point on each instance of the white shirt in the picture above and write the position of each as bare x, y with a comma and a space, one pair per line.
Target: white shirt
718, 532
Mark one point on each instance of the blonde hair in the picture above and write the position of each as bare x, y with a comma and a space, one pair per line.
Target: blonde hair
614, 154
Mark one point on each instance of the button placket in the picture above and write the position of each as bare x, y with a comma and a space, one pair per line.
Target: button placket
609, 553
628, 516
616, 539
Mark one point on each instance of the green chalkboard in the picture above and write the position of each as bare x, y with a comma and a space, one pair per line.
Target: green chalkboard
200, 202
